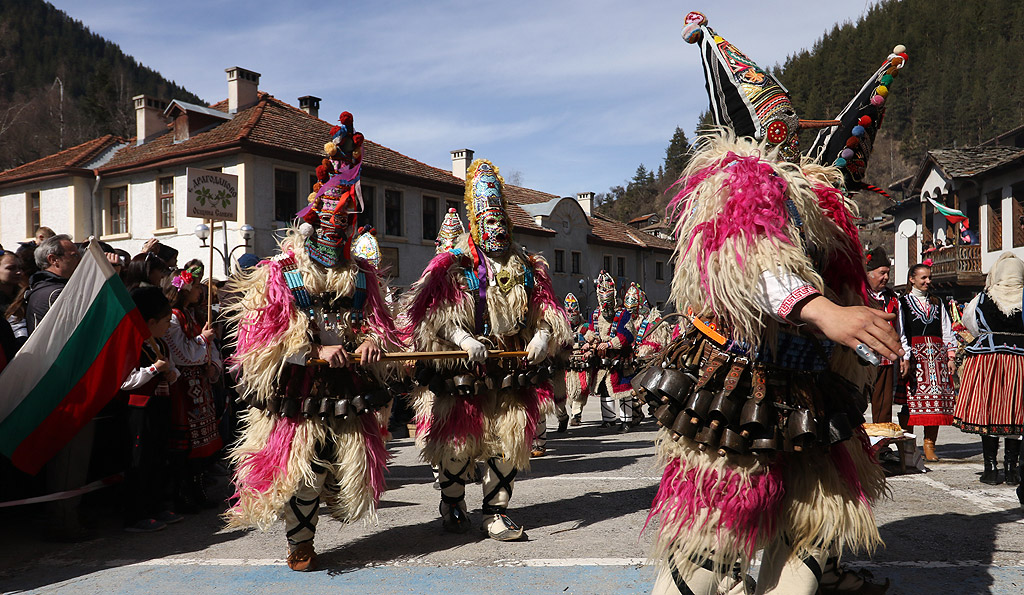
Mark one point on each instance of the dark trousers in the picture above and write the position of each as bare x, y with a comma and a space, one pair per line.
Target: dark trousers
145, 481
881, 395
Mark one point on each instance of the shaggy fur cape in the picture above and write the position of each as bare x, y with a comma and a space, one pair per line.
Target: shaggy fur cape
489, 424
740, 214
275, 453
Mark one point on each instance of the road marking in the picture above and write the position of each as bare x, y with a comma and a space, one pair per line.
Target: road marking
981, 499
576, 477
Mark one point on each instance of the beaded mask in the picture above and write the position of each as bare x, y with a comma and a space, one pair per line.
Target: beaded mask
605, 293
572, 308
366, 247
485, 202
451, 229
635, 299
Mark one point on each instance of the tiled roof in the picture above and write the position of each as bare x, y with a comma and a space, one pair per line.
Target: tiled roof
617, 232
527, 196
74, 158
642, 218
971, 161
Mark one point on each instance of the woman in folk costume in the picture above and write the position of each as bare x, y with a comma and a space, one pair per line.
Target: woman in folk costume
991, 399
578, 370
312, 432
194, 436
762, 397
926, 333
486, 293
610, 335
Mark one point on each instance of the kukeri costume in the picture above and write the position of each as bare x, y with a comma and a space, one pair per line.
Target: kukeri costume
578, 369
485, 292
312, 432
762, 444
610, 334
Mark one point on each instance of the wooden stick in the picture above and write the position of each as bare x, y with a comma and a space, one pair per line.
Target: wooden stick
426, 355
209, 270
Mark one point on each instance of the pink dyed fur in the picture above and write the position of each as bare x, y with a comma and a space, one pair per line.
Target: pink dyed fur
377, 456
543, 292
847, 469
434, 288
263, 467
755, 208
534, 402
748, 510
847, 268
261, 327
376, 312
465, 420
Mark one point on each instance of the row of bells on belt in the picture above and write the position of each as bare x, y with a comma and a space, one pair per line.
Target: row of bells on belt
327, 407
468, 384
727, 420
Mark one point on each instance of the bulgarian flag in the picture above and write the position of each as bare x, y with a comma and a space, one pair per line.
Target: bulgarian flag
952, 215
72, 365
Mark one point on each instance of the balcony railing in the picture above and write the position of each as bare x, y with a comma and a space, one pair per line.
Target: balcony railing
957, 263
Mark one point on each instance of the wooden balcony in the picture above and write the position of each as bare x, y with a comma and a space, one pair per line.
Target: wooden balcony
958, 265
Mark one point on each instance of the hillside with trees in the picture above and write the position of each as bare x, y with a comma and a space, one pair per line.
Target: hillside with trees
957, 89
61, 84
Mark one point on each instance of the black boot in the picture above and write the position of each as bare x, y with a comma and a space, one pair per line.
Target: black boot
990, 453
1011, 461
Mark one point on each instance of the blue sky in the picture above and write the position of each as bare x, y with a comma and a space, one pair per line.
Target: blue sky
571, 95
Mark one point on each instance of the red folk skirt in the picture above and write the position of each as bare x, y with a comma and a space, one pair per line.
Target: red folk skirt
930, 396
194, 415
991, 400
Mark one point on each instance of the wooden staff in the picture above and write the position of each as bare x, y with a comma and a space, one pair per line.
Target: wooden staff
427, 355
209, 270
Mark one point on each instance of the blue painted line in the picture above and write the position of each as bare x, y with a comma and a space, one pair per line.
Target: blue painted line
448, 580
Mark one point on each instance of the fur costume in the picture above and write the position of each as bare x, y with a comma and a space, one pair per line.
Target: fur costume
485, 292
276, 452
617, 332
761, 439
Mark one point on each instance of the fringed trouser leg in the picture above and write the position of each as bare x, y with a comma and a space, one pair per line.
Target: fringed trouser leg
302, 511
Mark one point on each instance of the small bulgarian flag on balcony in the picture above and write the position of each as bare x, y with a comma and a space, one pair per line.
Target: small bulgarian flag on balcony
952, 215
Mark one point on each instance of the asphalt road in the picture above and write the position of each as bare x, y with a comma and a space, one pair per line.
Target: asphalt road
583, 505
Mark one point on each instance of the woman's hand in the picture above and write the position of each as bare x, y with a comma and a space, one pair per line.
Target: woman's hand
368, 353
208, 333
852, 325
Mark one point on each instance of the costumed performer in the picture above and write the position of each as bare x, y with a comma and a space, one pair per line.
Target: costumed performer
312, 432
578, 373
763, 446
610, 335
487, 292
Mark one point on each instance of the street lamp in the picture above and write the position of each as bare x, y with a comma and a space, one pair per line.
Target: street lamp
248, 232
585, 291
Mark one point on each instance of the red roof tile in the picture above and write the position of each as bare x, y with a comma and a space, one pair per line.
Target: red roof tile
68, 159
527, 196
609, 230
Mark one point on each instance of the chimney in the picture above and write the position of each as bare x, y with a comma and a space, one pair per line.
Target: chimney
461, 158
310, 105
149, 118
243, 87
586, 200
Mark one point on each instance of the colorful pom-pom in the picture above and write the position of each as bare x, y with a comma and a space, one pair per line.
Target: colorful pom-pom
858, 131
840, 162
877, 100
846, 153
864, 120
346, 119
897, 61
900, 49
852, 142
306, 229
903, 55
882, 90
692, 33
886, 79
331, 149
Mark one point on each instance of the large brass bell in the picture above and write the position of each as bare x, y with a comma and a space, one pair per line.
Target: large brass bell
754, 417
675, 384
684, 426
290, 408
732, 443
801, 429
274, 405
378, 397
465, 384
708, 437
839, 427
666, 414
698, 404
424, 374
326, 408
508, 382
